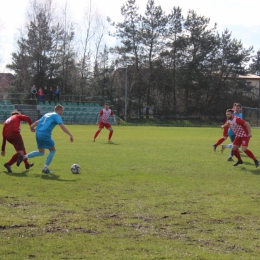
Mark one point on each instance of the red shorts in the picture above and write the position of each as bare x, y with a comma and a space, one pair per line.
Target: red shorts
106, 125
241, 141
16, 140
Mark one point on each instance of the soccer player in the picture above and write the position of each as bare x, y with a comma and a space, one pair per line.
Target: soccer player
238, 113
242, 130
44, 128
11, 133
102, 121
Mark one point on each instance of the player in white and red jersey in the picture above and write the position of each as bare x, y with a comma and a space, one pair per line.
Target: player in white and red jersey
11, 133
242, 130
102, 121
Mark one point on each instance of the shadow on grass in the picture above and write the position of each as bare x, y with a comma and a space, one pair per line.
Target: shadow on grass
255, 172
22, 174
53, 177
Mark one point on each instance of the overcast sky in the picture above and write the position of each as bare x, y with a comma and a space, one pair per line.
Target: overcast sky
238, 16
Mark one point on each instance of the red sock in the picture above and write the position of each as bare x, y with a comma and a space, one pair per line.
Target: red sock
250, 154
96, 134
237, 154
14, 159
110, 135
220, 141
25, 160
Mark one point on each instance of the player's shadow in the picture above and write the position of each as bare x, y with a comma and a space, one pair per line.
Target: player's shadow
53, 177
14, 174
255, 172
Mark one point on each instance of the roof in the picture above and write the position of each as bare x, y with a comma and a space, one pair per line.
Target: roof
6, 80
249, 76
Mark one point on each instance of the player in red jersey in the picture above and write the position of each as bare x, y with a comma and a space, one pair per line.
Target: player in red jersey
102, 121
11, 133
242, 130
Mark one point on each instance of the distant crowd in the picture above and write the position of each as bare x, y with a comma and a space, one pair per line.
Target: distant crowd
45, 94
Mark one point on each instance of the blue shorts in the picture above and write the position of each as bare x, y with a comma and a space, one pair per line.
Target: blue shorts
44, 141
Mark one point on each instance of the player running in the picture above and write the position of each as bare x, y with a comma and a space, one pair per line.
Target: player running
11, 133
242, 130
44, 128
237, 108
102, 121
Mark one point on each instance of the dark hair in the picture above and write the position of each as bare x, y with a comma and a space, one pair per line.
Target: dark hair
106, 104
238, 104
230, 110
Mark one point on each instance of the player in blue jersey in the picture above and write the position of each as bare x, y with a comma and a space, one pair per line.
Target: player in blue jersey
238, 113
44, 128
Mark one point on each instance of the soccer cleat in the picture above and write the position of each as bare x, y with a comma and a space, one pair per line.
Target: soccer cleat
230, 158
222, 148
93, 140
8, 167
47, 171
20, 159
109, 141
237, 163
28, 166
214, 147
256, 163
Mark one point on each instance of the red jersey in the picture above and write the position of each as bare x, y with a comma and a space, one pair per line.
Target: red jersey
238, 126
13, 124
105, 114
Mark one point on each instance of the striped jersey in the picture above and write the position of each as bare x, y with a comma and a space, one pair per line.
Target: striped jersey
238, 127
105, 114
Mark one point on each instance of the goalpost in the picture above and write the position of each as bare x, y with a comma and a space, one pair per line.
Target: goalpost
251, 115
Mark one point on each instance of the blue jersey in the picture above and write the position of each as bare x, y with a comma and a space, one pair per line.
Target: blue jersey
48, 122
240, 115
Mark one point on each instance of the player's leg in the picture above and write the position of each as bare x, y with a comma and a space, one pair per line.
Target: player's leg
100, 127
245, 141
49, 160
26, 163
111, 131
237, 142
232, 138
221, 140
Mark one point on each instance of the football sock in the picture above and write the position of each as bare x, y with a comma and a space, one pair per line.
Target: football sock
110, 135
25, 160
49, 157
229, 146
250, 154
14, 159
33, 154
96, 134
220, 141
237, 154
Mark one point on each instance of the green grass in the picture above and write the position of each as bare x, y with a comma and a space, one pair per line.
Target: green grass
156, 193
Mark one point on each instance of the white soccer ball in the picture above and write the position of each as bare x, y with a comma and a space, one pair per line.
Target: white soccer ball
75, 168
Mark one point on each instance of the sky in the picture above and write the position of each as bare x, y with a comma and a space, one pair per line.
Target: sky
238, 16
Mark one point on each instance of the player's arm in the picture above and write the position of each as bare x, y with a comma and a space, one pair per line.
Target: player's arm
247, 125
227, 124
3, 146
65, 129
26, 119
98, 119
33, 125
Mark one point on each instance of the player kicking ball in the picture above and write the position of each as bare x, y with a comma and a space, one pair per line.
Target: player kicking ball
242, 130
102, 121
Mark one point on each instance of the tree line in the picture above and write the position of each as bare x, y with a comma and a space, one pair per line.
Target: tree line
169, 64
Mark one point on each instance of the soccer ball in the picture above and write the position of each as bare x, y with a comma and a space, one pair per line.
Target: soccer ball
75, 168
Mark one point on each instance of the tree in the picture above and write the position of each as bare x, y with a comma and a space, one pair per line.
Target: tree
255, 65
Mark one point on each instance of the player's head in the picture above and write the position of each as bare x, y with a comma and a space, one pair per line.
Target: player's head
229, 114
106, 106
238, 108
59, 109
16, 112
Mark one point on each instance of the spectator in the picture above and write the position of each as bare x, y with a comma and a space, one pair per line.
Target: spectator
50, 94
45, 94
40, 94
57, 94
33, 92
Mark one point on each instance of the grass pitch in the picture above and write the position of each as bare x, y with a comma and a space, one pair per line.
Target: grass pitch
155, 193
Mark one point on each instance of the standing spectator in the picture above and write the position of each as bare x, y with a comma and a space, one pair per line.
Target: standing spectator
57, 93
40, 94
45, 94
50, 94
33, 92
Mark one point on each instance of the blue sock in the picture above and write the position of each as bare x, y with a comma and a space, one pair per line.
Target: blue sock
49, 157
33, 154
